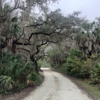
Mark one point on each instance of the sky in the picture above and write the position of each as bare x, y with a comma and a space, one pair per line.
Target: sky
89, 8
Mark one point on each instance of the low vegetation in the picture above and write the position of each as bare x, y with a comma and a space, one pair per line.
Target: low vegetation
87, 70
93, 90
16, 74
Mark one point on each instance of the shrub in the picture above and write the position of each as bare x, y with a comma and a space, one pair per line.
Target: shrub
14, 72
95, 74
73, 66
34, 78
6, 83
85, 68
77, 65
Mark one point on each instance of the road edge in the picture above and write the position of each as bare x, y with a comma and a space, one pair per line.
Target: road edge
23, 93
76, 83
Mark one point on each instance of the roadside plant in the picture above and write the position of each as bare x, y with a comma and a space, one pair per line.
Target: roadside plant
77, 65
14, 72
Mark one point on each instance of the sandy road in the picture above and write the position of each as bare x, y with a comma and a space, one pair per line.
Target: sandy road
57, 87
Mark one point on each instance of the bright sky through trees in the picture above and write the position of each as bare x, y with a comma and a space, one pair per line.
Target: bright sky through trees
89, 8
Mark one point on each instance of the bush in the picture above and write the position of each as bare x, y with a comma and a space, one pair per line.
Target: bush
77, 65
14, 72
6, 83
85, 68
35, 78
95, 74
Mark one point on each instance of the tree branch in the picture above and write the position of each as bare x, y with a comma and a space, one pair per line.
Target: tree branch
38, 46
20, 43
38, 33
24, 50
3, 45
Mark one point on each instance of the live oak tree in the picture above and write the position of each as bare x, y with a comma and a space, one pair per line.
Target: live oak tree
11, 32
88, 39
24, 32
51, 27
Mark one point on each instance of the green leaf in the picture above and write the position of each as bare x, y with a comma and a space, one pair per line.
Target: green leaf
14, 19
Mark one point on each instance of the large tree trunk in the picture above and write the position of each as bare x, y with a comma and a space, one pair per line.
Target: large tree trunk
35, 63
36, 66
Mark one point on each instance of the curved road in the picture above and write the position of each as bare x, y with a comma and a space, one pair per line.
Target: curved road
57, 87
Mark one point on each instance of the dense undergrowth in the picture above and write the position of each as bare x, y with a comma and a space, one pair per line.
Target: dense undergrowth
77, 65
85, 70
16, 74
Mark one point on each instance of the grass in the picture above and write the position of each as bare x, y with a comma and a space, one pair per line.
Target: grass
93, 90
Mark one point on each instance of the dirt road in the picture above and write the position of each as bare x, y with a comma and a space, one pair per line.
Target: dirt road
57, 87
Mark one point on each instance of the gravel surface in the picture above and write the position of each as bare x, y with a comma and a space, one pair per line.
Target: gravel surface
57, 87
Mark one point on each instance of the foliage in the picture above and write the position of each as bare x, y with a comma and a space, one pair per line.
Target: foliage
74, 64
43, 63
88, 68
77, 65
57, 59
5, 82
14, 72
75, 53
95, 74
16, 28
81, 37
35, 77
74, 61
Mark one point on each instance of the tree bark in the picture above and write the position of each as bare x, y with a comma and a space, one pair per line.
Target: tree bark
35, 63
